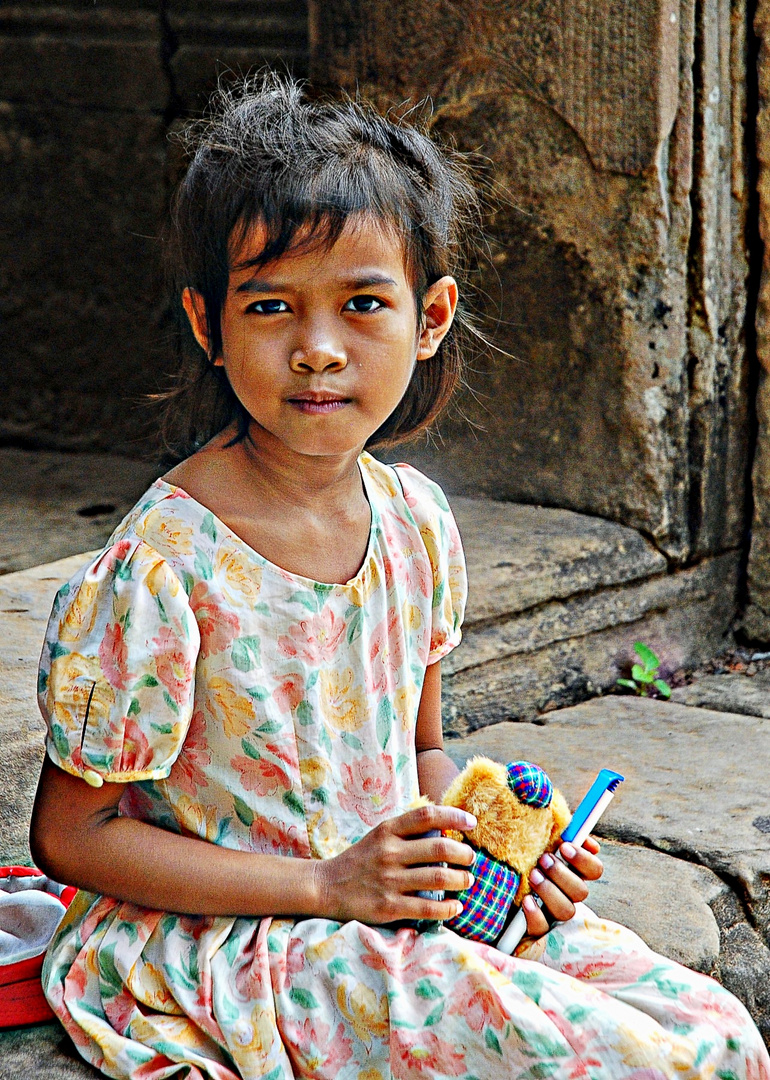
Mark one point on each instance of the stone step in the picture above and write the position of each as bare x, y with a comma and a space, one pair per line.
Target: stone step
696, 788
746, 694
557, 601
53, 505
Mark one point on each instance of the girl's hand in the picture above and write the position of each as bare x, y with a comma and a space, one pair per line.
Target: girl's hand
375, 880
559, 886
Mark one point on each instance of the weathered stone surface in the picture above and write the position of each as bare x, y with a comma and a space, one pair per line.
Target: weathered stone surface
104, 57
559, 652
25, 602
522, 556
84, 193
52, 505
41, 1053
744, 960
696, 780
666, 901
756, 620
749, 696
594, 406
217, 37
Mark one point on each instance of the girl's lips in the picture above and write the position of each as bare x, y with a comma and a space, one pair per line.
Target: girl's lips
313, 406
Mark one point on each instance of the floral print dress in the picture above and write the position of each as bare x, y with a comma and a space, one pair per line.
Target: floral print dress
266, 712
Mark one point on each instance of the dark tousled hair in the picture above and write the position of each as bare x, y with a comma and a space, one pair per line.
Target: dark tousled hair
266, 153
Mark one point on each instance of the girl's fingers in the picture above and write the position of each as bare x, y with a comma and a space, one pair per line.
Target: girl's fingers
537, 924
429, 878
583, 861
558, 900
438, 849
424, 819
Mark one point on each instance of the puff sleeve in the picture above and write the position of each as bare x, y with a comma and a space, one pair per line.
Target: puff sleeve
116, 678
430, 511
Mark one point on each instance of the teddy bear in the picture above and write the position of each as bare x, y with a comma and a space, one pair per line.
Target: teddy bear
520, 815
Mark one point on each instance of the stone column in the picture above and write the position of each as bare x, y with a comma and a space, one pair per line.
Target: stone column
757, 616
614, 130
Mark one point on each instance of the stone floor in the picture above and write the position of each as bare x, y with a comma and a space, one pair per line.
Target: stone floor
557, 600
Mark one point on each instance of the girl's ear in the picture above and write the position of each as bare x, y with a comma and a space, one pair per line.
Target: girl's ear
438, 310
195, 309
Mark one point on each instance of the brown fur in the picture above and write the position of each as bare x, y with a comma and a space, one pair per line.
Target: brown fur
511, 831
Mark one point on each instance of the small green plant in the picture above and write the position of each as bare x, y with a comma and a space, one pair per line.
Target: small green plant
644, 675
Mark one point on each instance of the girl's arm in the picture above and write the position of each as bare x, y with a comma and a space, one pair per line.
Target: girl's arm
558, 887
78, 837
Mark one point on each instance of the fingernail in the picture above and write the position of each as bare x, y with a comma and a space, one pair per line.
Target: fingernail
470, 821
458, 909
471, 880
568, 851
546, 861
528, 903
536, 877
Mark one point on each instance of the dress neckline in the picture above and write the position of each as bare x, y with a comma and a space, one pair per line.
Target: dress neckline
225, 530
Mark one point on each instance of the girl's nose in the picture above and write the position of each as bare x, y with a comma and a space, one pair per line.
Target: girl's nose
318, 356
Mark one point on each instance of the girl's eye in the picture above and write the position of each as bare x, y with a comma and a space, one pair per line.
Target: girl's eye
363, 304
269, 307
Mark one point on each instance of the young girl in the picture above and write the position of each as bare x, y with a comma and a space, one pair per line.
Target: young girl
243, 690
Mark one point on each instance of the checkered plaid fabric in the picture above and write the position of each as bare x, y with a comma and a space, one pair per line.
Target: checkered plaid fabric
530, 783
487, 902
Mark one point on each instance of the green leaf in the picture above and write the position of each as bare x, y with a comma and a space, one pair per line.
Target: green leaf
188, 581
646, 655
628, 683
246, 652
275, 1074
162, 729
270, 727
258, 692
208, 527
531, 983
60, 741
261, 608
435, 1016
351, 740
640, 675
324, 739
302, 596
146, 680
312, 679
42, 681
134, 708
303, 998
161, 610
492, 1041
339, 966
294, 803
355, 625
662, 687
171, 703
384, 722
202, 565
426, 989
321, 795
244, 812
56, 650
403, 759
304, 713
249, 751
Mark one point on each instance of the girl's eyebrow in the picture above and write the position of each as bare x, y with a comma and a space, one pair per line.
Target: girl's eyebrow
258, 285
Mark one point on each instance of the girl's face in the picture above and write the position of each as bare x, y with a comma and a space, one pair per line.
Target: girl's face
320, 345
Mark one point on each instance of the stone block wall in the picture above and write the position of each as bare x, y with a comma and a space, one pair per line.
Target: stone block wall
616, 137
617, 283
88, 94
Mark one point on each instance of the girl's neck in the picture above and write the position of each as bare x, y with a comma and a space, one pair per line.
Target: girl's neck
293, 512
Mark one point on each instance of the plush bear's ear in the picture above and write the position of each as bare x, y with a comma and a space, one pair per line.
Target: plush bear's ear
529, 783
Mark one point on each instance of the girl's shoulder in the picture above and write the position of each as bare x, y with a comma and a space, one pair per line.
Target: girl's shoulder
406, 491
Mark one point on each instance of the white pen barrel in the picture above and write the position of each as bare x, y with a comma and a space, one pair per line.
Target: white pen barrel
518, 925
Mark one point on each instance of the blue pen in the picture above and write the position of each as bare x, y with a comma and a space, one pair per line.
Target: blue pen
591, 808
